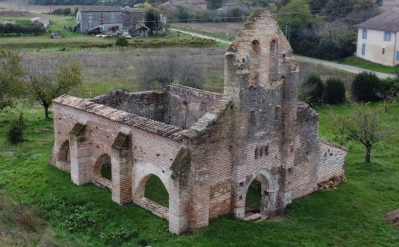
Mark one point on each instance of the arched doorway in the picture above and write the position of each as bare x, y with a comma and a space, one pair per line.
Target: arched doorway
102, 172
63, 157
257, 199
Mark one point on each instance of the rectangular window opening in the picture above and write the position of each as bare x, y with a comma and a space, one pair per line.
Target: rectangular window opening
364, 34
387, 36
363, 49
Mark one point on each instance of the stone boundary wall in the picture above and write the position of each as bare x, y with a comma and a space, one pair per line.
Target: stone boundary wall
332, 160
149, 104
155, 127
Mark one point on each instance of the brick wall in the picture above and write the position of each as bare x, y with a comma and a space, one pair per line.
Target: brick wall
332, 161
145, 104
187, 105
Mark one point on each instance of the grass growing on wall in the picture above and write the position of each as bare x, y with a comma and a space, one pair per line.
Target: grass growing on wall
351, 215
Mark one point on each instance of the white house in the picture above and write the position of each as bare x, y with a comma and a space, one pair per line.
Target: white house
378, 38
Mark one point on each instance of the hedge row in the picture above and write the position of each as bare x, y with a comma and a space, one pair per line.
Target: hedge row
151, 44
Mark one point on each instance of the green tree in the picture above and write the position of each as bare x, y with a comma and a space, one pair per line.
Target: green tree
11, 76
388, 91
66, 11
15, 133
296, 14
316, 6
122, 41
282, 3
215, 4
341, 8
311, 89
334, 92
365, 86
153, 20
183, 13
45, 81
364, 124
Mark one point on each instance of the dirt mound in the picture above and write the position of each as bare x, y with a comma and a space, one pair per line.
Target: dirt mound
332, 183
7, 13
393, 217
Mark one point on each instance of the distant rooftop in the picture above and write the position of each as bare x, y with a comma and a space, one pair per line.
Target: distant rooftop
387, 21
100, 9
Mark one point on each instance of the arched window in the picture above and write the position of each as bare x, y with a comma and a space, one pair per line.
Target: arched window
273, 71
267, 150
255, 62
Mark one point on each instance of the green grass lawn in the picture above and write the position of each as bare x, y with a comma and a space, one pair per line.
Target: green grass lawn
57, 24
362, 63
351, 215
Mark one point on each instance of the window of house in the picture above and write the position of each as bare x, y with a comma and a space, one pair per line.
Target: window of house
112, 17
90, 20
101, 18
397, 55
383, 50
387, 36
364, 35
363, 49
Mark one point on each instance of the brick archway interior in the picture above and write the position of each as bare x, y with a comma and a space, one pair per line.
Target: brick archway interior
63, 157
101, 178
141, 174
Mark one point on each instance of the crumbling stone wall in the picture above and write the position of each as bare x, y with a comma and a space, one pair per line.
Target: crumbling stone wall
332, 161
206, 148
187, 105
150, 104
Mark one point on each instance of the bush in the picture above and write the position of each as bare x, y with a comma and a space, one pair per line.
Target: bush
334, 92
311, 89
122, 41
16, 132
365, 87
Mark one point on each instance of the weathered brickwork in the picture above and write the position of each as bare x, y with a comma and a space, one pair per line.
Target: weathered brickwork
206, 148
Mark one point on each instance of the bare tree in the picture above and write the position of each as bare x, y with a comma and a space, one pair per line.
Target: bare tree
364, 124
45, 81
160, 71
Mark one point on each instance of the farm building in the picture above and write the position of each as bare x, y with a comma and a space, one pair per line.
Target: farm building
89, 17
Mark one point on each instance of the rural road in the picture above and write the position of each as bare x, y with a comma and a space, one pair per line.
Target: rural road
307, 59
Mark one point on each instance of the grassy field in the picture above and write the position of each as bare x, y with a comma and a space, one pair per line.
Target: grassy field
104, 70
57, 23
351, 215
361, 63
212, 29
40, 206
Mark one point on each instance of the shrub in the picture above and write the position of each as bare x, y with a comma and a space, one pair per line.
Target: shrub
334, 92
364, 87
122, 41
311, 89
16, 132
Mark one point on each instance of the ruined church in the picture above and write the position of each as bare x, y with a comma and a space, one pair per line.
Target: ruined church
206, 148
